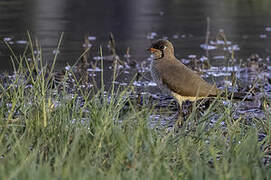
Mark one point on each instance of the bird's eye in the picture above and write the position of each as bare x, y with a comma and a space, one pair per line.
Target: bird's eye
162, 47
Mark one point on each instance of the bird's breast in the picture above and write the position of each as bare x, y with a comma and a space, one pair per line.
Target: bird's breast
156, 76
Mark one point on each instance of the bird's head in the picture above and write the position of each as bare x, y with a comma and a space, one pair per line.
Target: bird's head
162, 49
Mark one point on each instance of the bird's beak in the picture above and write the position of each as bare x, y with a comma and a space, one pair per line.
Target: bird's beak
152, 50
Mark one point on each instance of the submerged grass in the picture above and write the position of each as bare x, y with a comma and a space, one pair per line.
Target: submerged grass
48, 133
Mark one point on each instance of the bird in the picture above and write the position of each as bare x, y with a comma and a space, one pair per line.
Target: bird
175, 78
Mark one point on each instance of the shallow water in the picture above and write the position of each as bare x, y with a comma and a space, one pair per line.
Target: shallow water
135, 24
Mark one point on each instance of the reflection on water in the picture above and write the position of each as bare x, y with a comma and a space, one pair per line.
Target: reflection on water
134, 24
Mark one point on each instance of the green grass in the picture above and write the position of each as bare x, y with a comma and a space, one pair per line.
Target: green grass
91, 136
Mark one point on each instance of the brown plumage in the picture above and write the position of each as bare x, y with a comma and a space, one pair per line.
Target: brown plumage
175, 78
182, 80
170, 74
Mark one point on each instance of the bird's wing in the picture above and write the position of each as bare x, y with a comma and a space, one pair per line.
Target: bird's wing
185, 82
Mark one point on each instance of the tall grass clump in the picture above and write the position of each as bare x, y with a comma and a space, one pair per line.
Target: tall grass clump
47, 132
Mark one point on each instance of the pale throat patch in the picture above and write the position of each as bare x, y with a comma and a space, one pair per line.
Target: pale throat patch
158, 55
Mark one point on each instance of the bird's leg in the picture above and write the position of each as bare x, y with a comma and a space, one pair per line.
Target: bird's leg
180, 114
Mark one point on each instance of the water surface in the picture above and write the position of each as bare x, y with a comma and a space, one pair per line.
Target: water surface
246, 24
135, 24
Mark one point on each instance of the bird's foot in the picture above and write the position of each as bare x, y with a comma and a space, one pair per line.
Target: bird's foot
179, 120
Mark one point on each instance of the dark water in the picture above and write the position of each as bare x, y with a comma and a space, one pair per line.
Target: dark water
135, 24
246, 24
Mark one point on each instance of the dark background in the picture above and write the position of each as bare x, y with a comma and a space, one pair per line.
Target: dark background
245, 22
